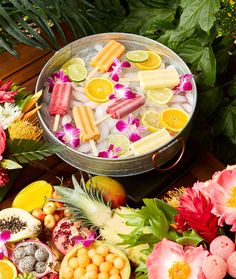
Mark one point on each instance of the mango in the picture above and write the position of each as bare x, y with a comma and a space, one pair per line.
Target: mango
33, 196
111, 189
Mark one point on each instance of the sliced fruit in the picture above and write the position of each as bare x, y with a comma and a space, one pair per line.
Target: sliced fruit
77, 72
39, 190
98, 89
20, 223
151, 120
174, 119
111, 189
153, 62
137, 55
119, 140
160, 96
7, 270
72, 61
96, 260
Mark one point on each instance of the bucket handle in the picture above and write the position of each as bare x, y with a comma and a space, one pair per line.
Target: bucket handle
156, 154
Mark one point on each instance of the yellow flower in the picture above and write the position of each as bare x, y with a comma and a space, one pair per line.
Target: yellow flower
174, 196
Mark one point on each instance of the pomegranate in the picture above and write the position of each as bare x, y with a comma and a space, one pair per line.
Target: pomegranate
63, 232
34, 257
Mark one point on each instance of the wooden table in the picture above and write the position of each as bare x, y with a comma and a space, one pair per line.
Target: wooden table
25, 70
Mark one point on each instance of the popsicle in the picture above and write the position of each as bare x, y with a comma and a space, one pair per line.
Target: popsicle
154, 79
59, 102
84, 120
122, 107
103, 60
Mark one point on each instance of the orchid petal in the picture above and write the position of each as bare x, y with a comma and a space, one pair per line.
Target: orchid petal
3, 251
112, 96
1, 255
130, 119
115, 77
125, 64
103, 154
121, 125
134, 137
5, 236
60, 135
129, 94
187, 86
118, 86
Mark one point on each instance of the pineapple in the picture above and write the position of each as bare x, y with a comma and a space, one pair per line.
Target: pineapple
88, 205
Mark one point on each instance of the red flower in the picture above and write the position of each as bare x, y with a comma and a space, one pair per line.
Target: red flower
196, 209
2, 142
6, 94
3, 177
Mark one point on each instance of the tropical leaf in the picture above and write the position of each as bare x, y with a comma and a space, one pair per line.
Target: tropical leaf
24, 151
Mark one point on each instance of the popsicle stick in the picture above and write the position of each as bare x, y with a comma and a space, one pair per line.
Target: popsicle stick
102, 119
93, 147
128, 79
56, 122
91, 74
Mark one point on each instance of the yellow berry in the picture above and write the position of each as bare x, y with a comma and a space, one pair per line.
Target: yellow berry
102, 250
82, 251
103, 275
79, 272
92, 253
98, 259
68, 272
105, 267
119, 263
115, 276
92, 266
83, 260
110, 258
114, 270
73, 262
91, 275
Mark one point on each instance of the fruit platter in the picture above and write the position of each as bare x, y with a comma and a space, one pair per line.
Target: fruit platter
87, 230
115, 101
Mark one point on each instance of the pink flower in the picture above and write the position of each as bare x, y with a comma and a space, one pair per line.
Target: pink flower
57, 78
132, 127
122, 92
3, 142
111, 152
171, 260
85, 241
4, 237
4, 178
185, 83
69, 135
6, 94
116, 68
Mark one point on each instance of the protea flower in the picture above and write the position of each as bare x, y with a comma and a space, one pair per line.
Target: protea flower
3, 177
196, 210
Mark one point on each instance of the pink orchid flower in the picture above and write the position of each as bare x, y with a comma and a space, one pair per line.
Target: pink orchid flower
132, 127
58, 77
69, 135
172, 260
3, 142
85, 241
4, 237
185, 83
122, 92
111, 152
116, 68
6, 94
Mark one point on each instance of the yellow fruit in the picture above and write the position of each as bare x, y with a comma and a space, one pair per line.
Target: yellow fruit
153, 62
7, 270
160, 96
98, 259
105, 267
72, 61
73, 263
83, 260
174, 119
98, 89
151, 120
33, 196
79, 272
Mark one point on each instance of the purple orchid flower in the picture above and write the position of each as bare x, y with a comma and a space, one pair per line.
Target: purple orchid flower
132, 127
116, 68
69, 135
57, 78
85, 241
111, 152
4, 237
122, 92
185, 83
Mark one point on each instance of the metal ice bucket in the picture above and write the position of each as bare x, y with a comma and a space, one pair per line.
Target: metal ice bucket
120, 166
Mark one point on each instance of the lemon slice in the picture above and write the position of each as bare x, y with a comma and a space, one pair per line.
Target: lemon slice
153, 62
160, 96
151, 120
137, 55
72, 61
7, 270
99, 89
119, 140
174, 119
77, 72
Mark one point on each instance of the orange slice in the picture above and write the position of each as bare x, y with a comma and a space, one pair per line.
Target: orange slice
153, 62
7, 270
174, 119
98, 89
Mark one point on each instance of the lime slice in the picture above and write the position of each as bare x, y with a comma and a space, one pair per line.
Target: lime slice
119, 140
137, 55
72, 61
151, 120
160, 96
77, 72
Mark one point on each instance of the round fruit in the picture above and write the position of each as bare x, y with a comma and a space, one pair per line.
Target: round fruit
153, 62
49, 208
174, 119
99, 268
160, 96
119, 140
63, 232
72, 61
34, 257
7, 270
137, 55
151, 120
77, 72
